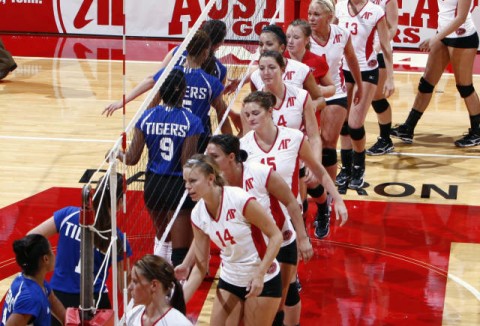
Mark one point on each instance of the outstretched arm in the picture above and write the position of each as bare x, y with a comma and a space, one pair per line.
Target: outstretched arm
141, 88
321, 174
47, 228
279, 189
257, 216
202, 250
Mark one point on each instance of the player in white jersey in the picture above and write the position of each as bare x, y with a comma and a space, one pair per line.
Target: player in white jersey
157, 294
362, 18
231, 218
380, 104
456, 42
334, 43
273, 193
273, 38
294, 109
282, 148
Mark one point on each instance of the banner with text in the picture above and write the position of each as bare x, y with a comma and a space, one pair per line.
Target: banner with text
171, 19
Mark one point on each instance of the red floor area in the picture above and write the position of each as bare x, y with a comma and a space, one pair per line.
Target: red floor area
387, 266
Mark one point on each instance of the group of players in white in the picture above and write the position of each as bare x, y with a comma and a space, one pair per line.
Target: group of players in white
312, 84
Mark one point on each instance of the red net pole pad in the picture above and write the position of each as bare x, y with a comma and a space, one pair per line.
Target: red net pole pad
103, 317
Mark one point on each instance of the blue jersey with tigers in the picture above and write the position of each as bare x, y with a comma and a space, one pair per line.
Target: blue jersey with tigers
26, 297
66, 276
220, 70
202, 89
165, 129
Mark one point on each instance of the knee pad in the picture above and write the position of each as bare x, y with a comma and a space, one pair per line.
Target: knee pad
380, 106
357, 133
465, 91
178, 255
425, 87
316, 192
293, 297
344, 130
279, 317
329, 157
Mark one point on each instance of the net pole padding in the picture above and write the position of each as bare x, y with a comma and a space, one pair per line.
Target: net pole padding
113, 216
217, 131
87, 310
171, 64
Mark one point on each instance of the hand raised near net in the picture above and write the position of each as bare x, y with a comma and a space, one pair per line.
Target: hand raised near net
109, 109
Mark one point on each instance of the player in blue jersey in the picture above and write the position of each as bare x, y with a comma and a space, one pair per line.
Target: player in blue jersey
30, 300
216, 30
203, 90
171, 133
65, 281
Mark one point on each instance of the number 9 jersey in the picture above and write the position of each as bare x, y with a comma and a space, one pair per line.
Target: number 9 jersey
165, 130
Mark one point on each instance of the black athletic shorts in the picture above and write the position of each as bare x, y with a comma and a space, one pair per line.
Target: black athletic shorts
339, 101
369, 76
272, 288
467, 42
163, 192
288, 254
381, 61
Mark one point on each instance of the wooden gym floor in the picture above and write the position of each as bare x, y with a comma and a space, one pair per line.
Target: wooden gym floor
407, 255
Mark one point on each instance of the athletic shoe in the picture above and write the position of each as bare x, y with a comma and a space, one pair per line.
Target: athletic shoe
403, 132
357, 181
4, 73
469, 139
322, 222
343, 177
381, 147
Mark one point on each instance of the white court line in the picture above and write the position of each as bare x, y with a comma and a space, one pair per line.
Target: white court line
434, 155
78, 140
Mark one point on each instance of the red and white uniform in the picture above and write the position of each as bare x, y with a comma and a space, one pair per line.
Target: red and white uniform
362, 27
283, 156
290, 112
383, 5
317, 63
171, 317
295, 74
447, 11
333, 50
242, 245
255, 181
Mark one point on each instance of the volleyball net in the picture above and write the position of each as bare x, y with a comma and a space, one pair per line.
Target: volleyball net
133, 217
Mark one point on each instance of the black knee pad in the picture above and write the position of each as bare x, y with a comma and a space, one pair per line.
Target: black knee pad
279, 317
316, 192
465, 91
357, 133
380, 106
293, 297
329, 157
344, 130
178, 255
425, 87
